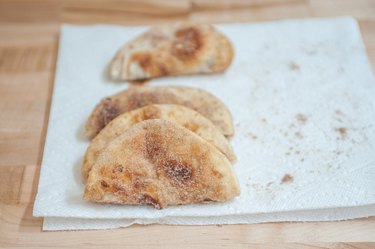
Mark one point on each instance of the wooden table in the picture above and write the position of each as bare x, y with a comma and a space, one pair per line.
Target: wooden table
29, 32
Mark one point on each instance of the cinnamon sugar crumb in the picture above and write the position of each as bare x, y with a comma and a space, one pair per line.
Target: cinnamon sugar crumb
342, 131
253, 136
287, 179
294, 66
338, 112
301, 118
298, 135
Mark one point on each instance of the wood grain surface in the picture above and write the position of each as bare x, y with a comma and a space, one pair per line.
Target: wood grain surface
29, 31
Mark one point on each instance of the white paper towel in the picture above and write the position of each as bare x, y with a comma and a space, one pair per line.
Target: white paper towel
301, 93
58, 223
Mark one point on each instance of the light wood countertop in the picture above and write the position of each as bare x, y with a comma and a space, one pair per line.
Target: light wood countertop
29, 32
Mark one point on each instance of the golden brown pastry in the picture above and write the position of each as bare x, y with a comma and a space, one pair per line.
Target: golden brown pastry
135, 97
175, 49
159, 163
177, 114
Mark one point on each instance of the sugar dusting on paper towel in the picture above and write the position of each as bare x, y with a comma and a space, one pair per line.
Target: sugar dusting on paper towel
301, 93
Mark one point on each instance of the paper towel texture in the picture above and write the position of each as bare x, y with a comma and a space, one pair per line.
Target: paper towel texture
302, 97
58, 223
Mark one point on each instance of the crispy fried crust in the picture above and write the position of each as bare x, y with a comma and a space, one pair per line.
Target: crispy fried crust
176, 49
135, 97
158, 163
177, 114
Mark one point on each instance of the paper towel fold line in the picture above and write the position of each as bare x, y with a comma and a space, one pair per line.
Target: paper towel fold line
344, 213
199, 215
